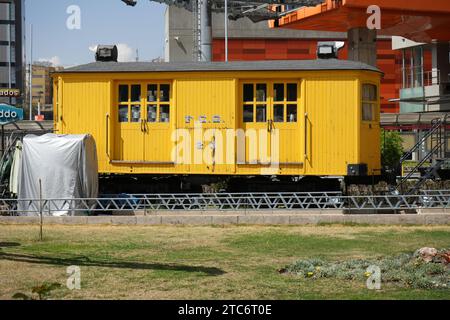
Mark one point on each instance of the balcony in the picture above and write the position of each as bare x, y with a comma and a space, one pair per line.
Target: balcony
424, 91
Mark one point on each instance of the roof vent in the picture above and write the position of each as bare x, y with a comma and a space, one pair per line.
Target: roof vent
106, 53
329, 49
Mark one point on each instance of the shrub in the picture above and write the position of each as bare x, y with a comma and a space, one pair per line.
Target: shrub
391, 149
407, 270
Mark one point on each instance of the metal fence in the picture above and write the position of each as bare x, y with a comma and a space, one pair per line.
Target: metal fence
226, 202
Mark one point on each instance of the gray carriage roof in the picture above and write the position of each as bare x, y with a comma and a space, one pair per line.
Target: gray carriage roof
275, 65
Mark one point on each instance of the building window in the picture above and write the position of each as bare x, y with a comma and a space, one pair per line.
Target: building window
369, 101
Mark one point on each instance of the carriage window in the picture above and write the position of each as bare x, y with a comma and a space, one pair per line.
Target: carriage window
152, 92
158, 103
369, 101
123, 93
164, 92
135, 93
248, 92
261, 112
278, 92
261, 92
248, 113
278, 113
164, 113
136, 113
129, 109
255, 102
123, 113
152, 113
292, 92
367, 112
291, 113
285, 96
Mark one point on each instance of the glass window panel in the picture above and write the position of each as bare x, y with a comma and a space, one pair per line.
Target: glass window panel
123, 93
164, 92
135, 93
248, 92
370, 92
248, 113
123, 113
152, 92
292, 113
135, 113
261, 113
261, 92
278, 113
164, 113
278, 91
367, 112
151, 113
292, 92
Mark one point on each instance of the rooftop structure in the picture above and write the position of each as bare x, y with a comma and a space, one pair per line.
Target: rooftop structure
418, 20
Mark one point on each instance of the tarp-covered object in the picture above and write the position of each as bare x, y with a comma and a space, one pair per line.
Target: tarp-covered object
68, 169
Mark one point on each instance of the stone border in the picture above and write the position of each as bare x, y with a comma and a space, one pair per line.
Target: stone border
240, 219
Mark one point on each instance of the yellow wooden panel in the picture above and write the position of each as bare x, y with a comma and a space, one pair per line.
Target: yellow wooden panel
211, 101
158, 144
332, 128
85, 105
205, 110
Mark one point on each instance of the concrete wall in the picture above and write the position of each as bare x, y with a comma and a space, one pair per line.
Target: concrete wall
430, 217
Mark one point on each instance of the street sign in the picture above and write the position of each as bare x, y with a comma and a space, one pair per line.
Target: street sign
9, 114
11, 93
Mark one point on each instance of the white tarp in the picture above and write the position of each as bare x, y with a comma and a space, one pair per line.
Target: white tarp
67, 167
15, 168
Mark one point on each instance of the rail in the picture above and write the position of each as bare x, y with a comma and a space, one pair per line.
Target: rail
225, 202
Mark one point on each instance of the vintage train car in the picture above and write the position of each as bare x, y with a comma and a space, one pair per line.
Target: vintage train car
268, 118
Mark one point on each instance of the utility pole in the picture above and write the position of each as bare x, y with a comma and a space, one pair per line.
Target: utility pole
206, 31
8, 18
31, 73
226, 30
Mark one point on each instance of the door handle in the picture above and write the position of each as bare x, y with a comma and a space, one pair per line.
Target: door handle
107, 135
142, 125
269, 125
306, 135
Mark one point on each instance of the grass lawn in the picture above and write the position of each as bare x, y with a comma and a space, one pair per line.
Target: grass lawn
185, 262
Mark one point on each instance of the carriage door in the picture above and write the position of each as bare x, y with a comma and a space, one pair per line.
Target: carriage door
286, 135
255, 124
158, 123
130, 124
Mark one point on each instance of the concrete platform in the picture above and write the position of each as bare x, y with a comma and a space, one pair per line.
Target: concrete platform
243, 218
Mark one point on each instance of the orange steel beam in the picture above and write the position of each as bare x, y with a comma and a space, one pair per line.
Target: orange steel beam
418, 20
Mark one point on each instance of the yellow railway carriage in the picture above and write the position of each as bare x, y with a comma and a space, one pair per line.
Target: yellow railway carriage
284, 118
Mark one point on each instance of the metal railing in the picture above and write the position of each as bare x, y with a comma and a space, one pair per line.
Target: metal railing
226, 202
416, 77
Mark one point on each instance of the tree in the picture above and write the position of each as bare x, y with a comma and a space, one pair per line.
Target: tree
391, 149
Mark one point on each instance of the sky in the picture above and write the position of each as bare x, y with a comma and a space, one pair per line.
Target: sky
63, 39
